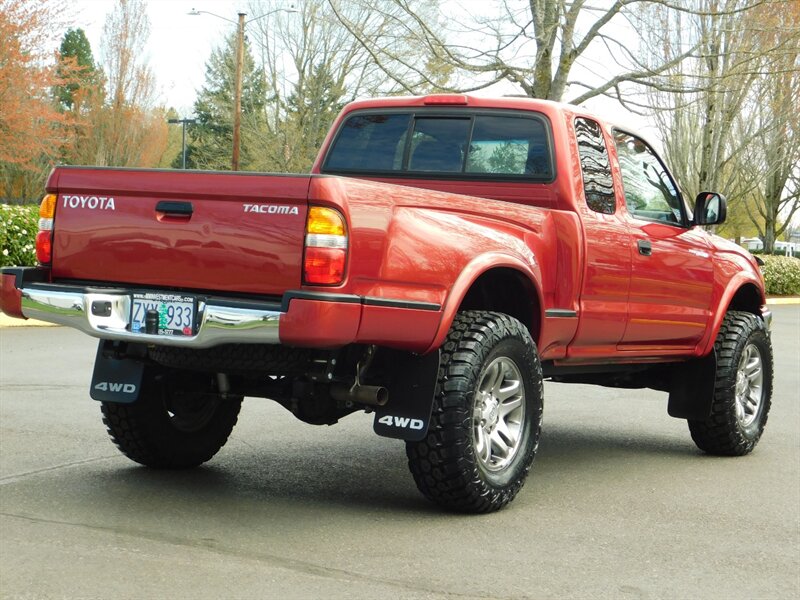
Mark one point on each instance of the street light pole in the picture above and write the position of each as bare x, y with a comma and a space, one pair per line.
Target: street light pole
184, 123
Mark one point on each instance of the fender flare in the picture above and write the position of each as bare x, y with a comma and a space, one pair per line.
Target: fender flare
736, 283
471, 272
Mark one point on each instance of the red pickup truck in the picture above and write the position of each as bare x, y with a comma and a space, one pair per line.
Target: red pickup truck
446, 255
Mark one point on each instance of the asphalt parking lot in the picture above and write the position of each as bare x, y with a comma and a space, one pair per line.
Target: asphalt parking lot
620, 504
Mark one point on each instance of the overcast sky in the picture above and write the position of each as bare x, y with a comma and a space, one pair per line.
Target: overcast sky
180, 44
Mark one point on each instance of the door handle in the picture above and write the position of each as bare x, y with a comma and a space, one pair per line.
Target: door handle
175, 209
645, 248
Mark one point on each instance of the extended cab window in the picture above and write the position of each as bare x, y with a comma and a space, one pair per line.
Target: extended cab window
598, 185
650, 193
464, 145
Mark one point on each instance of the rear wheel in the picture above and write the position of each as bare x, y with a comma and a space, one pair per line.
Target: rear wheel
742, 391
178, 422
486, 419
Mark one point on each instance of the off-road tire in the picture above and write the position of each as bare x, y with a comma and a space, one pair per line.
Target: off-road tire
235, 359
725, 433
445, 464
155, 432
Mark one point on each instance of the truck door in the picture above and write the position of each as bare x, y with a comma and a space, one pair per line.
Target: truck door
607, 271
672, 271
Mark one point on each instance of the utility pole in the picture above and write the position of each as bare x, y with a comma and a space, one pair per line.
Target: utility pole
237, 104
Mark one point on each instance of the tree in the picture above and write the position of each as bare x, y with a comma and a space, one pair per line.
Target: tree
726, 116
75, 55
81, 99
537, 45
314, 66
210, 141
773, 163
174, 148
695, 104
310, 111
132, 131
32, 131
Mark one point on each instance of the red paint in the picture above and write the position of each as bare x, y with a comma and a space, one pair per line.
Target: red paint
320, 324
226, 245
401, 328
414, 240
10, 297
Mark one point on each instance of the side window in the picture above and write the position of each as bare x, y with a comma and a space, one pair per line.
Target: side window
598, 185
649, 192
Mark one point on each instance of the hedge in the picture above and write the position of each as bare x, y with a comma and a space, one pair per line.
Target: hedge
18, 227
782, 275
19, 224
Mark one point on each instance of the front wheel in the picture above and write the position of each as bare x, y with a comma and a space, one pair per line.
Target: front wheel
487, 415
742, 391
178, 422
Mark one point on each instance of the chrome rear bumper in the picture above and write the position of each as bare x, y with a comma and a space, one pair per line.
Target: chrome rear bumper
218, 322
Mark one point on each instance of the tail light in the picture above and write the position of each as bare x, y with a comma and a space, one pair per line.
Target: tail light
44, 239
325, 247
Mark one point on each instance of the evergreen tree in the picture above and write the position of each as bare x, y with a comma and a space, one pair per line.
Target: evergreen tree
209, 142
311, 108
76, 58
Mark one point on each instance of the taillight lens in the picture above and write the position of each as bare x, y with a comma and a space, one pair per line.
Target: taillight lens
44, 239
325, 247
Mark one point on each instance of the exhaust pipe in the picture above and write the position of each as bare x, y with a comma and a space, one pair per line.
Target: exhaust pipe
372, 395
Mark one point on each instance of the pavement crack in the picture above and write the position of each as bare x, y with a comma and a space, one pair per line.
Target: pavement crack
5, 480
291, 564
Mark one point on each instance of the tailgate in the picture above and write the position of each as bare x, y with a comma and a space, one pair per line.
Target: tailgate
173, 229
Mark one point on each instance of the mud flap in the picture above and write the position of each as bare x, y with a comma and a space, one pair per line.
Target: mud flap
115, 379
412, 383
692, 390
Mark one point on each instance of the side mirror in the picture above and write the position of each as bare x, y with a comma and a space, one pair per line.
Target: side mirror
711, 208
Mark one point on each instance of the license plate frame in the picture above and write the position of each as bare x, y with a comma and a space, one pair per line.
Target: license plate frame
177, 313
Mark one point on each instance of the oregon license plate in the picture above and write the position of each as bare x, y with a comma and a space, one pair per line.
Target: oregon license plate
174, 314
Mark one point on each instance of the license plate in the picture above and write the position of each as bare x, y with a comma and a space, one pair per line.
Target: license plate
176, 314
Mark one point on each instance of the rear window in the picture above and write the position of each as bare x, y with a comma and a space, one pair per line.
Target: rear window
463, 146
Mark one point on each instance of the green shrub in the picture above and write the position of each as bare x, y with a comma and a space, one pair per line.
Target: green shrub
782, 275
795, 253
18, 228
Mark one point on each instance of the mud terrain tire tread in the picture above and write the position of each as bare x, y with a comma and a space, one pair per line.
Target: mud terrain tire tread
142, 431
444, 464
721, 433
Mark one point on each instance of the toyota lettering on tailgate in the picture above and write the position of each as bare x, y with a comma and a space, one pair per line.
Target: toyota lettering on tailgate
90, 202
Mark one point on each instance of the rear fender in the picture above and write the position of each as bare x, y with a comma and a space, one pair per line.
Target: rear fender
469, 276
